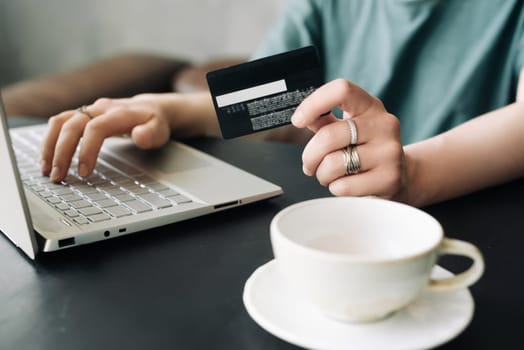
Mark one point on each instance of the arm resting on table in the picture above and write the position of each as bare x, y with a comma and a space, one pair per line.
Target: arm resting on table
119, 76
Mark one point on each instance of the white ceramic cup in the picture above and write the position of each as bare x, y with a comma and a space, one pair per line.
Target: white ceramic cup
361, 259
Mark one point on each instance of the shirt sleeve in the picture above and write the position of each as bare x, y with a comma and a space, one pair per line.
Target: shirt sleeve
519, 57
298, 25
519, 63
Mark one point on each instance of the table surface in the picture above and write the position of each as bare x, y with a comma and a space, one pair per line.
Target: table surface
180, 286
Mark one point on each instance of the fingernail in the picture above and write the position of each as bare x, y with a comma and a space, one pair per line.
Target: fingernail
55, 173
306, 171
82, 169
297, 117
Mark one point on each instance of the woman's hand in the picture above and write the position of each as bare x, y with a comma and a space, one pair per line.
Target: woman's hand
141, 117
382, 169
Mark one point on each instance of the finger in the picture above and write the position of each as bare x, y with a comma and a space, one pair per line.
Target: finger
152, 134
337, 93
378, 128
383, 182
333, 165
66, 145
327, 139
116, 121
48, 145
322, 121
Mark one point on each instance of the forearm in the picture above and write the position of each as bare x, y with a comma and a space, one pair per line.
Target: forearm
189, 114
485, 151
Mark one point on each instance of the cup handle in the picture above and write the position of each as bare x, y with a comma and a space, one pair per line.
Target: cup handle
466, 278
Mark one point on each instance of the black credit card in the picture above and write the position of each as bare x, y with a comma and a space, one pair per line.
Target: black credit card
263, 94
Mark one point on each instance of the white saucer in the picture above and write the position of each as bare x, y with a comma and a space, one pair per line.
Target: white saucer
431, 320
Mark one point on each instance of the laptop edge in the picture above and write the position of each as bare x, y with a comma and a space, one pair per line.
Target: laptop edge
16, 222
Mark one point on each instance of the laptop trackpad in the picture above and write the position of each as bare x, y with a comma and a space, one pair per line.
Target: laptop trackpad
167, 159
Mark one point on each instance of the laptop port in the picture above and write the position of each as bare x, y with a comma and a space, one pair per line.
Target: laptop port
227, 204
66, 242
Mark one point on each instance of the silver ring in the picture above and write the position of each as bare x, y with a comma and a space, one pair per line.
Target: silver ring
354, 160
83, 109
353, 131
346, 160
351, 160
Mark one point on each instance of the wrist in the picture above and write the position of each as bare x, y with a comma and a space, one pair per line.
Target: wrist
415, 192
190, 114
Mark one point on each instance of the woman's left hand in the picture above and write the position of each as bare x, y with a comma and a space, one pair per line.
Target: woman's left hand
380, 169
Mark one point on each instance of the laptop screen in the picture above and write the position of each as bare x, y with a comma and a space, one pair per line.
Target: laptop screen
15, 220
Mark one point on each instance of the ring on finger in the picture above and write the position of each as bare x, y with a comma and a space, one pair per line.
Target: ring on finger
352, 130
351, 160
83, 109
346, 160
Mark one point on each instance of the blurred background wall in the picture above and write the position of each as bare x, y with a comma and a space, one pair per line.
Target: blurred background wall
40, 37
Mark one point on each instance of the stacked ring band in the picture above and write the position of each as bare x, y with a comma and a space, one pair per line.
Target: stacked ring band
353, 131
351, 160
346, 160
83, 109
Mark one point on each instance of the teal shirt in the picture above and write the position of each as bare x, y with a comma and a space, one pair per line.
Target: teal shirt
434, 63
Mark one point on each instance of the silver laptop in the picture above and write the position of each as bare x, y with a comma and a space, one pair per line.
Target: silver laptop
131, 190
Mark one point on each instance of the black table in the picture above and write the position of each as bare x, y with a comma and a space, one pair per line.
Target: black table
180, 286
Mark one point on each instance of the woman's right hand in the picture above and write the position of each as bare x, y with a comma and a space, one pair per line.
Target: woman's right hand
141, 117
149, 119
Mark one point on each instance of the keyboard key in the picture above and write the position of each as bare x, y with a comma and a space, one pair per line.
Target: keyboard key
42, 179
52, 186
45, 194
145, 179
54, 200
71, 180
71, 213
102, 169
157, 186
96, 196
38, 188
138, 206
118, 178
99, 217
168, 193
180, 199
155, 200
124, 197
81, 220
94, 180
118, 212
80, 204
105, 203
31, 182
134, 188
71, 197
33, 172
85, 188
88, 211
62, 206
62, 191
111, 190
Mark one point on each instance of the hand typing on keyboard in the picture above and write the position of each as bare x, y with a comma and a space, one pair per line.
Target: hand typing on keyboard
148, 119
114, 190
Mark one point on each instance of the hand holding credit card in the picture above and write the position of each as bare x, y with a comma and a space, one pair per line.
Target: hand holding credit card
263, 94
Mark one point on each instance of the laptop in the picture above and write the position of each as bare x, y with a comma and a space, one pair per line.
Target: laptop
131, 190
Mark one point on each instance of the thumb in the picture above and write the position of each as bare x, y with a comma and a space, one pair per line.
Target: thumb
152, 134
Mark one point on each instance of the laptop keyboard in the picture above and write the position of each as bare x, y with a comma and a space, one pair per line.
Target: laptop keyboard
114, 190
